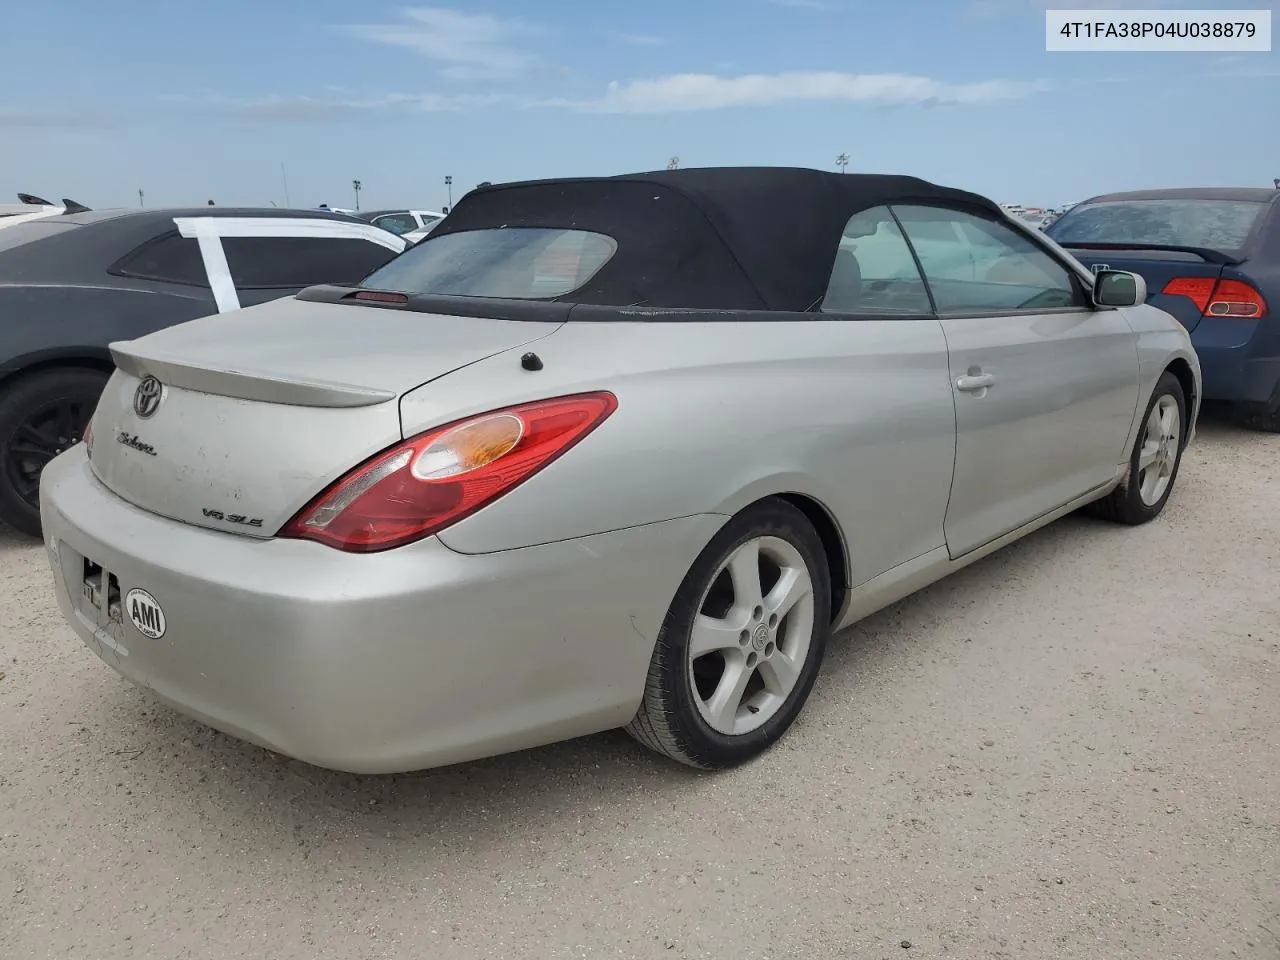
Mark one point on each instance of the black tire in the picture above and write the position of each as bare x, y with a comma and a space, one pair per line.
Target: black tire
1263, 422
1125, 503
41, 414
669, 720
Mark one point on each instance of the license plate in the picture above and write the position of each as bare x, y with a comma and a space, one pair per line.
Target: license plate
100, 589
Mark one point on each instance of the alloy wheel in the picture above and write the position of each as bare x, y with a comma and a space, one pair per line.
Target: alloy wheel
751, 636
1159, 454
46, 432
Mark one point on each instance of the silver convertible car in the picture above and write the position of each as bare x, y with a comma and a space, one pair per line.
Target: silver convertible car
599, 453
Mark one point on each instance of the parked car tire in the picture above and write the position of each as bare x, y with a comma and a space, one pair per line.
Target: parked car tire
742, 644
41, 414
1154, 462
1265, 422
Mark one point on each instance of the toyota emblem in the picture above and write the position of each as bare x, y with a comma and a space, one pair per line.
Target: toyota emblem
146, 399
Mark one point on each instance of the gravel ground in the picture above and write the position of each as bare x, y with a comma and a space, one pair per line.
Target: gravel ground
1069, 750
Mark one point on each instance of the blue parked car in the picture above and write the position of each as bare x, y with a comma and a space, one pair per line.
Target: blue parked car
1211, 257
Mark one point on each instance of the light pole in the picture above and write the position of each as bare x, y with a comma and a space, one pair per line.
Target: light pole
842, 161
448, 182
355, 185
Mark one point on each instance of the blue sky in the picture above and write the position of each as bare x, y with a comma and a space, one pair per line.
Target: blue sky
195, 101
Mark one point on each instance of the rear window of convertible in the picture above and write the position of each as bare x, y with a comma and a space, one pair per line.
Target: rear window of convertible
519, 263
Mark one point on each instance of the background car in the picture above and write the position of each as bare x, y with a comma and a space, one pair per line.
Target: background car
413, 225
417, 236
1210, 257
31, 207
71, 284
600, 452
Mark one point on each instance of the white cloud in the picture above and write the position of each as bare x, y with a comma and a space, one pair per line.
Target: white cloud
641, 39
1245, 69
700, 91
51, 118
470, 46
307, 109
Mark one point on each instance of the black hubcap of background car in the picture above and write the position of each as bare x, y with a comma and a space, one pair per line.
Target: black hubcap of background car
45, 433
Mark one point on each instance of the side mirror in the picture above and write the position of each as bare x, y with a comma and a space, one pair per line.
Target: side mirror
1119, 288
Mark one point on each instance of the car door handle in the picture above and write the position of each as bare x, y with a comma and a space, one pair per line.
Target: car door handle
974, 382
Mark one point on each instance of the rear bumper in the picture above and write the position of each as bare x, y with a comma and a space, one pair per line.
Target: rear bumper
1239, 360
396, 661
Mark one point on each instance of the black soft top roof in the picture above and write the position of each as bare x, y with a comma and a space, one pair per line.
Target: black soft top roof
745, 238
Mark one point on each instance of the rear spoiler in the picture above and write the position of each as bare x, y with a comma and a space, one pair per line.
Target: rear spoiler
243, 384
1207, 254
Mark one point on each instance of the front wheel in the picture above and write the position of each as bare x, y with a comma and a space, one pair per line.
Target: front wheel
742, 644
1154, 462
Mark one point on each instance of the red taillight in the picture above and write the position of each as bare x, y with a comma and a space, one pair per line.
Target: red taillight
1236, 298
1219, 298
1196, 289
424, 484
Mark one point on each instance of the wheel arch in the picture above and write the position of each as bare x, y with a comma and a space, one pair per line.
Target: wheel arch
1181, 369
83, 358
833, 545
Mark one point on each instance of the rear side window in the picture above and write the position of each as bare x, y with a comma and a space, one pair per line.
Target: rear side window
520, 263
1222, 225
171, 258
874, 271
286, 262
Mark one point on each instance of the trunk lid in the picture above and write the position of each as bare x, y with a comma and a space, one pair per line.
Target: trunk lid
1157, 268
260, 409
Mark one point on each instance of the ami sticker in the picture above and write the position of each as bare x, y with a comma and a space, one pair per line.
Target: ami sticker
145, 613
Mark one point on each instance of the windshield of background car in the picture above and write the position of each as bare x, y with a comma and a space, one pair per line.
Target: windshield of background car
517, 263
1222, 225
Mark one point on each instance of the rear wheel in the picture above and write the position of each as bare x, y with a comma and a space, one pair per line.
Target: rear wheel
41, 415
1154, 462
742, 644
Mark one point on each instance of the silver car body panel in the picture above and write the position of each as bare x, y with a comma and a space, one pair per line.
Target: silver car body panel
588, 552
1052, 424
370, 663
534, 619
253, 420
705, 423
290, 341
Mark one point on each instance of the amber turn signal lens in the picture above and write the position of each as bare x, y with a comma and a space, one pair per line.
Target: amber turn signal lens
469, 447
